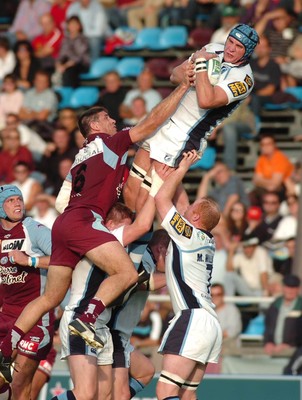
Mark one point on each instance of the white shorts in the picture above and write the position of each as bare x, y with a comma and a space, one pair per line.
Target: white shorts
75, 345
193, 334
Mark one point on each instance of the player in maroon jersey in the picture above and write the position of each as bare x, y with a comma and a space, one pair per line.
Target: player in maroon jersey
24, 257
96, 181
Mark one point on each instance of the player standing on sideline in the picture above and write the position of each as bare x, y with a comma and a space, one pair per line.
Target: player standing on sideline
194, 336
24, 258
203, 107
97, 174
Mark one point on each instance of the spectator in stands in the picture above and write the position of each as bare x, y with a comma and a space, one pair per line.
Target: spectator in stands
293, 184
117, 13
228, 190
279, 27
138, 111
171, 12
267, 75
236, 221
27, 64
58, 11
28, 185
63, 149
112, 96
254, 218
248, 271
270, 218
12, 152
283, 321
144, 15
68, 118
228, 314
230, 16
74, 57
29, 138
11, 98
144, 89
47, 45
208, 10
288, 225
95, 24
292, 67
26, 24
43, 210
40, 105
7, 58
272, 170
241, 124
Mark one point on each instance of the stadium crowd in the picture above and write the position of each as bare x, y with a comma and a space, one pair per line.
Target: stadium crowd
48, 45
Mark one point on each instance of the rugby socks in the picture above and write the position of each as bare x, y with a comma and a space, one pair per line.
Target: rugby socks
171, 398
65, 396
5, 392
135, 386
93, 310
11, 340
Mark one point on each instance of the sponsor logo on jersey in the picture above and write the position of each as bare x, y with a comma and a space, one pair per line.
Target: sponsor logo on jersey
248, 80
28, 347
7, 279
180, 226
237, 88
4, 260
13, 244
7, 236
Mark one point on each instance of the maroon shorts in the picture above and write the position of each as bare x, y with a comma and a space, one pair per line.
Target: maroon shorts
36, 344
76, 232
46, 366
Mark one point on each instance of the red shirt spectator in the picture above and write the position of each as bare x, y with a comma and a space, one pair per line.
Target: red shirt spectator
58, 12
12, 152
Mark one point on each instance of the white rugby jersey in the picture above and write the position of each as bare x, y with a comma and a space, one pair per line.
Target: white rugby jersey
190, 123
189, 264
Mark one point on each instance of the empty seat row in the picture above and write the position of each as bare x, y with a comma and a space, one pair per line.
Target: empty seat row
77, 98
126, 67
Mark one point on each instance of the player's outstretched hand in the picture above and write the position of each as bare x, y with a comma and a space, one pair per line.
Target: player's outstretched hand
202, 53
188, 159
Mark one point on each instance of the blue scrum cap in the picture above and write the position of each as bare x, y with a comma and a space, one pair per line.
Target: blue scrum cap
7, 191
246, 35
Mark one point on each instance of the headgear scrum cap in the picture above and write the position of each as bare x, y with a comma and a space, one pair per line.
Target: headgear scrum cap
7, 191
246, 35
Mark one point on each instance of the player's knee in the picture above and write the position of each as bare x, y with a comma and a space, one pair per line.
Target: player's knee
147, 373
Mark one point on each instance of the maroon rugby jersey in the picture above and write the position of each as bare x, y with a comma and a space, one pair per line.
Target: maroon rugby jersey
20, 285
97, 174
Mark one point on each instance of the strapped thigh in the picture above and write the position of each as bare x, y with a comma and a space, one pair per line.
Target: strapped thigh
171, 379
137, 172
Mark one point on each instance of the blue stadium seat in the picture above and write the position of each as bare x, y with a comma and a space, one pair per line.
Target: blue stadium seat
256, 326
100, 67
296, 91
207, 160
130, 67
84, 97
65, 93
146, 38
171, 37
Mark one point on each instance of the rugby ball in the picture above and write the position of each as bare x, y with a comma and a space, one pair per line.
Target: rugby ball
214, 70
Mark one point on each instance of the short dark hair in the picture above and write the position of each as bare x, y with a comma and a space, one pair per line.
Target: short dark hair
160, 236
4, 43
118, 212
87, 117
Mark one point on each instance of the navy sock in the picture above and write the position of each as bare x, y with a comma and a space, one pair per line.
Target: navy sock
65, 396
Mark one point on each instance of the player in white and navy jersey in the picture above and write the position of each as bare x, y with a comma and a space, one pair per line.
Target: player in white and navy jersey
194, 336
203, 107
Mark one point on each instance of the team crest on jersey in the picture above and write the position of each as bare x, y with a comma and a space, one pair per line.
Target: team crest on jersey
237, 88
180, 226
201, 235
13, 244
248, 80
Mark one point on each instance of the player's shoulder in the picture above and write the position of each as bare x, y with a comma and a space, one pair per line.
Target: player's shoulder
217, 48
32, 224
